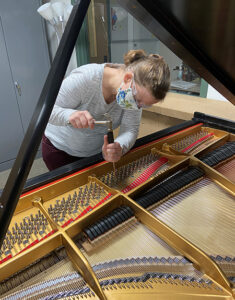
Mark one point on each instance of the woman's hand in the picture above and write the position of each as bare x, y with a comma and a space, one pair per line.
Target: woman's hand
111, 152
81, 119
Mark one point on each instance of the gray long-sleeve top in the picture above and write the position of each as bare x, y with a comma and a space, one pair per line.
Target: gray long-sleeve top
82, 90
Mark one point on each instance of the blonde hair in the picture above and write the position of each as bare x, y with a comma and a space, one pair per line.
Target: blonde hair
150, 71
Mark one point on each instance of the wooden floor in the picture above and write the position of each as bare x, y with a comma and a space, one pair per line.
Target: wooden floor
38, 168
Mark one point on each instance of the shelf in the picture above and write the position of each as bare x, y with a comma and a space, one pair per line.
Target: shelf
183, 107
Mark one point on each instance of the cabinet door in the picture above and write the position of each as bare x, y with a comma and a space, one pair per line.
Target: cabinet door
27, 50
11, 129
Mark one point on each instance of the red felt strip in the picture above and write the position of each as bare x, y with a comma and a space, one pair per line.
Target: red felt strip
146, 174
198, 141
5, 259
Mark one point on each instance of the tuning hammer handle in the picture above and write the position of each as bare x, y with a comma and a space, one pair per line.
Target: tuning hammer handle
110, 137
110, 141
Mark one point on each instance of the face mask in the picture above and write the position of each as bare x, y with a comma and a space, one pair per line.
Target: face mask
125, 98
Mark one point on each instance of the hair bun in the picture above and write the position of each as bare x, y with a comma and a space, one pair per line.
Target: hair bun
156, 56
133, 55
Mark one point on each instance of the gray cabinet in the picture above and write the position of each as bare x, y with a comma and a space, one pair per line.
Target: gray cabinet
24, 65
11, 128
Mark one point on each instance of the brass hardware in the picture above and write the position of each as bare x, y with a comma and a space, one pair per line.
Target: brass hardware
18, 87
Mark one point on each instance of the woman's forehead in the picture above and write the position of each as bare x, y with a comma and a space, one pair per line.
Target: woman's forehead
144, 93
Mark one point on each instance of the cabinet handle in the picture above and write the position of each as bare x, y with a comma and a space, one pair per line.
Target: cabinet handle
18, 87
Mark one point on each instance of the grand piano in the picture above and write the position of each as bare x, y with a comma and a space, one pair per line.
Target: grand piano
163, 226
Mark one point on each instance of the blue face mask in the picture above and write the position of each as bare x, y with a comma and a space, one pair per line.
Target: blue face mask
125, 98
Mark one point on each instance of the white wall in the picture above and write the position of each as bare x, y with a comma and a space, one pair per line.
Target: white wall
213, 94
127, 34
171, 59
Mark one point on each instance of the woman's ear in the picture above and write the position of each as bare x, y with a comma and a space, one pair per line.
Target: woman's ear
128, 77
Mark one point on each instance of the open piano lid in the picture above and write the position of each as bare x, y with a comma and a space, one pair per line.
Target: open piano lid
201, 33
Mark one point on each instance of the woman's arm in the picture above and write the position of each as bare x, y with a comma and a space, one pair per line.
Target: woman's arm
70, 96
129, 129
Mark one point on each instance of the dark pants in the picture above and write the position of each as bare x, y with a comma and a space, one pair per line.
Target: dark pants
53, 157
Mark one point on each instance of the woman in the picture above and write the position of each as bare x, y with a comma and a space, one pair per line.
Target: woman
92, 90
